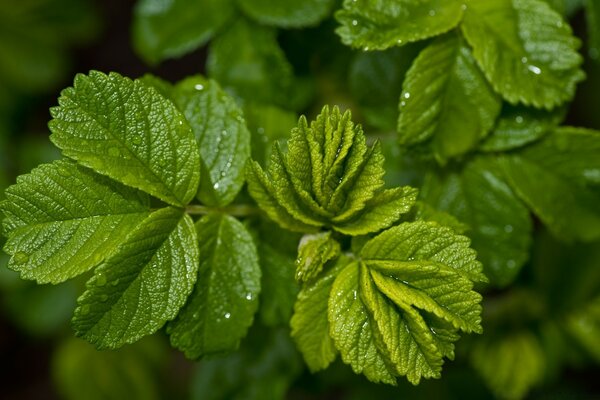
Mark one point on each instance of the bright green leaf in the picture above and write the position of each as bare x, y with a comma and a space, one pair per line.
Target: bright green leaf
499, 223
287, 13
143, 285
170, 29
310, 325
313, 252
526, 49
379, 24
222, 136
247, 60
447, 99
62, 220
225, 298
559, 178
129, 132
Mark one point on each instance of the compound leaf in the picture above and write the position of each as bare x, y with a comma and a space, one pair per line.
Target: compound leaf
558, 178
129, 132
222, 136
225, 298
173, 28
143, 285
62, 220
377, 25
288, 13
446, 98
526, 50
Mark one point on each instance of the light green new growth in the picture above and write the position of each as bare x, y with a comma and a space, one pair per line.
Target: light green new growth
330, 178
313, 252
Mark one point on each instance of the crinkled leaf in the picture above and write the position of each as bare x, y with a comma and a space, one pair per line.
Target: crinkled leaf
129, 132
518, 126
143, 285
313, 252
62, 220
499, 223
510, 365
288, 13
170, 29
447, 99
225, 298
222, 136
310, 325
526, 50
559, 178
353, 330
379, 24
247, 60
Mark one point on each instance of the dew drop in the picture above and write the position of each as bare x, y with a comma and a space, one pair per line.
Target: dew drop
402, 103
519, 119
196, 315
524, 60
21, 257
406, 95
100, 279
399, 41
227, 315
113, 152
180, 122
249, 296
103, 298
199, 87
508, 228
224, 133
559, 24
216, 185
366, 48
464, 7
534, 69
354, 22
432, 13
85, 309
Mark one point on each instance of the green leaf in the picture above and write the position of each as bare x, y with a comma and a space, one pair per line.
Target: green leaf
526, 50
62, 220
352, 329
288, 13
329, 177
592, 14
499, 223
558, 178
222, 136
377, 25
310, 325
446, 99
375, 79
518, 126
129, 132
143, 285
398, 310
510, 365
314, 251
170, 29
584, 326
425, 241
267, 123
247, 60
219, 312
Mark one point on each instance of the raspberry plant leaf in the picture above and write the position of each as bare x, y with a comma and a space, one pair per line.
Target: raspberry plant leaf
338, 185
526, 50
378, 25
498, 222
313, 252
143, 285
287, 13
222, 306
446, 99
559, 178
222, 136
63, 219
171, 29
128, 131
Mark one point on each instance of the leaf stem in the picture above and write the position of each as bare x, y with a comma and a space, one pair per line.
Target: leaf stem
235, 210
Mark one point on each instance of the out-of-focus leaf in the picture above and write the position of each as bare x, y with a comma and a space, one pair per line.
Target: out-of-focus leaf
287, 13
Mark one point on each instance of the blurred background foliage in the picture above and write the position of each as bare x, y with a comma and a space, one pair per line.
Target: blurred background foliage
542, 332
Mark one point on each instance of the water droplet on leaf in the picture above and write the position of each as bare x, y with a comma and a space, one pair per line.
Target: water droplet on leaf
199, 87
227, 315
534, 69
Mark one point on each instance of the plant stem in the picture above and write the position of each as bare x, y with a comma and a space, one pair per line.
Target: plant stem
236, 210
